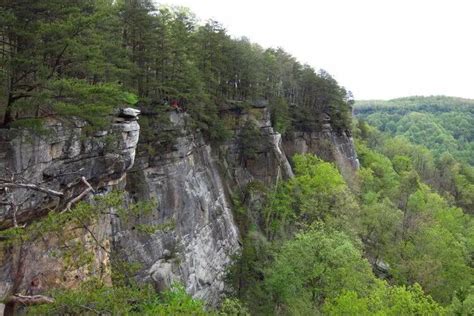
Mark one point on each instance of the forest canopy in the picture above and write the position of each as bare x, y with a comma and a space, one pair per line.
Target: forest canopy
443, 124
89, 57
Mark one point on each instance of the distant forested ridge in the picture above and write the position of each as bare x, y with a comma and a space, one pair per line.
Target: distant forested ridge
443, 124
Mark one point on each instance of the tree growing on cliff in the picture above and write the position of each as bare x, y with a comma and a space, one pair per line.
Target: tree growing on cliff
47, 42
161, 55
251, 141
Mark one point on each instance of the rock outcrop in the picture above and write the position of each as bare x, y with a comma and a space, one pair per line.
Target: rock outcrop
328, 144
191, 185
187, 233
196, 235
57, 159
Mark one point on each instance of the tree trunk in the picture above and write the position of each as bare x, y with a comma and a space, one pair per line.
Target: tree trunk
17, 279
8, 117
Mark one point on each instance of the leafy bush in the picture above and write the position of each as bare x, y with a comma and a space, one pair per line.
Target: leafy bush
93, 297
384, 300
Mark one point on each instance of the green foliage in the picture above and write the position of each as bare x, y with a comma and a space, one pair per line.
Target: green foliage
123, 271
91, 57
175, 302
233, 307
451, 178
49, 47
314, 266
463, 302
436, 245
153, 228
409, 233
34, 124
321, 192
377, 173
317, 192
129, 98
384, 300
140, 208
280, 116
402, 164
442, 124
77, 98
418, 232
55, 223
380, 225
303, 263
205, 118
93, 297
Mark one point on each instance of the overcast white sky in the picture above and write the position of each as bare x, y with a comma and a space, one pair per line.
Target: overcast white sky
378, 49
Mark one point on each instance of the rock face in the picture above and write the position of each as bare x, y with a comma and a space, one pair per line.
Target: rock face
270, 163
327, 144
191, 186
59, 157
187, 234
57, 160
189, 191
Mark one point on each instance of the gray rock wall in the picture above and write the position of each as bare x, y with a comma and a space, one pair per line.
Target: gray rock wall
57, 159
190, 197
191, 184
188, 235
330, 146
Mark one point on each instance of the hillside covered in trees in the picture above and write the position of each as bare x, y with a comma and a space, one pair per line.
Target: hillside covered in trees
394, 237
443, 124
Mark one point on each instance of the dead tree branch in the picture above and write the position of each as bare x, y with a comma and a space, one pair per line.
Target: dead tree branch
81, 195
31, 186
29, 300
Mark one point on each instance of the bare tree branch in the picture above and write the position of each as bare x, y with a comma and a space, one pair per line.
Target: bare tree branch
31, 186
80, 196
29, 300
95, 238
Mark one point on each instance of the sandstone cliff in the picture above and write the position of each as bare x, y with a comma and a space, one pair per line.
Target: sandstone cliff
190, 234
